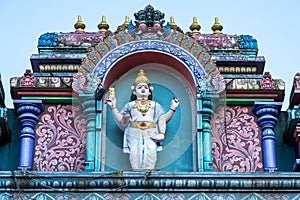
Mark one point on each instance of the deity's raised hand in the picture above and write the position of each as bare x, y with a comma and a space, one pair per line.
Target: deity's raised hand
174, 103
111, 101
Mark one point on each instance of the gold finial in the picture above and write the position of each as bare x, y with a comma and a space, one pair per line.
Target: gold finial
79, 25
103, 26
126, 22
141, 78
217, 27
195, 27
172, 23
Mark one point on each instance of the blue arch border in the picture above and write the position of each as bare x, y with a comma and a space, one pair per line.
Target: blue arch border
120, 52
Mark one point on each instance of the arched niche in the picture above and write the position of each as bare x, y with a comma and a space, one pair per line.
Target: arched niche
173, 72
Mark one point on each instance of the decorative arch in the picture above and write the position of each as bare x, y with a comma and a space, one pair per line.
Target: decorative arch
117, 54
137, 47
177, 45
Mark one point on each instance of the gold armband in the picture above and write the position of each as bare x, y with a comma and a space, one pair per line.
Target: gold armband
173, 109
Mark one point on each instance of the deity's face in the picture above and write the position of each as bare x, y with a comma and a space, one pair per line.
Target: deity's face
142, 91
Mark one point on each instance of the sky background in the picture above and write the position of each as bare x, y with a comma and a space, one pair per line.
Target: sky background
275, 25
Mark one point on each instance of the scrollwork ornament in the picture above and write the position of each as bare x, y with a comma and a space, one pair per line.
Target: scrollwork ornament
85, 83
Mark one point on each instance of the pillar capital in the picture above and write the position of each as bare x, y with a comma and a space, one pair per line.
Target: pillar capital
27, 112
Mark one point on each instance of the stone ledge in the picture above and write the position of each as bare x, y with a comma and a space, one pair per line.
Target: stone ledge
10, 181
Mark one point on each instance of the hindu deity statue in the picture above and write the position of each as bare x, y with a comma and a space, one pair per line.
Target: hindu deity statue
145, 123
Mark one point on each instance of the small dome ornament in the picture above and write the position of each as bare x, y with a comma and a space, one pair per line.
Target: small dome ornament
172, 23
79, 25
195, 27
217, 27
103, 26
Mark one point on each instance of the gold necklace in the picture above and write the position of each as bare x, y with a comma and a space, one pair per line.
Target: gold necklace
138, 105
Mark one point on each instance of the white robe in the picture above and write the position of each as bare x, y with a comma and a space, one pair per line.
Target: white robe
138, 142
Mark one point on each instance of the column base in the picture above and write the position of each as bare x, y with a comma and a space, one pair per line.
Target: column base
24, 168
208, 167
296, 167
89, 166
271, 170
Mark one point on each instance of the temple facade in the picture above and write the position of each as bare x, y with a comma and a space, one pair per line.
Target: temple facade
228, 139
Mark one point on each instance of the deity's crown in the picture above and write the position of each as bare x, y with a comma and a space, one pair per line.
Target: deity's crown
141, 78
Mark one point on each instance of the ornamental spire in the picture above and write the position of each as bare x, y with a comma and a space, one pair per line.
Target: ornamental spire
126, 22
195, 27
217, 27
172, 23
79, 25
103, 26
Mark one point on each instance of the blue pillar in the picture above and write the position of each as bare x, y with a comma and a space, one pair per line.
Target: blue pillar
88, 103
204, 143
28, 112
267, 113
207, 114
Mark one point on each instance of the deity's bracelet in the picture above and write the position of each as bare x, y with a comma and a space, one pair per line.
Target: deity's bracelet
173, 109
113, 107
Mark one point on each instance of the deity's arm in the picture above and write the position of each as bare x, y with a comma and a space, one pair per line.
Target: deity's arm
174, 104
168, 115
162, 124
120, 117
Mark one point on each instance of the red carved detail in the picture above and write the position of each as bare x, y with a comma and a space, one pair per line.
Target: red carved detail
218, 83
27, 80
240, 149
297, 80
297, 133
267, 83
79, 82
60, 139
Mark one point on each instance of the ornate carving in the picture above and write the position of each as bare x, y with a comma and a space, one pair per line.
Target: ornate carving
247, 42
267, 83
27, 80
85, 83
149, 17
60, 143
164, 47
211, 84
48, 40
148, 25
218, 41
238, 150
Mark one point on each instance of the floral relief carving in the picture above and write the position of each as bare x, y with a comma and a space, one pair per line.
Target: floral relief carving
240, 149
60, 139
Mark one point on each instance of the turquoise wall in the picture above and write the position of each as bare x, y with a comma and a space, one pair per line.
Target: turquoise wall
177, 153
10, 151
